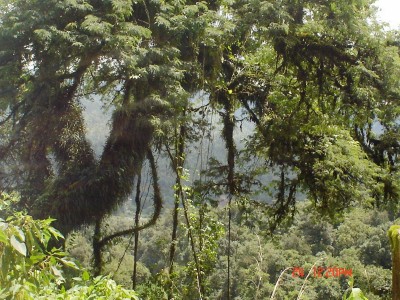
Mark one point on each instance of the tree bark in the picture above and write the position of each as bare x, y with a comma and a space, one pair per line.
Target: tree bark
137, 218
97, 259
229, 126
178, 162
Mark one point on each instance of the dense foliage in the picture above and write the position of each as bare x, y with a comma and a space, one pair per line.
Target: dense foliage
315, 84
357, 242
314, 77
31, 269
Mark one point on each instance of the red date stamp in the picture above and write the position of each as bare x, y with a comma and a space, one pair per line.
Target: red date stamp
326, 272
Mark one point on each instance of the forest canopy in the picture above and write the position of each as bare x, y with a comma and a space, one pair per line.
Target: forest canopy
315, 78
315, 84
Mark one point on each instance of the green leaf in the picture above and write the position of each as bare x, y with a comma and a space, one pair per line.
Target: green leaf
56, 271
43, 35
85, 275
356, 294
69, 263
95, 25
55, 233
5, 264
17, 245
122, 7
3, 237
37, 258
21, 234
163, 22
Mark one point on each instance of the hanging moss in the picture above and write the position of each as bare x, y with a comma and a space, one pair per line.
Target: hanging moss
85, 190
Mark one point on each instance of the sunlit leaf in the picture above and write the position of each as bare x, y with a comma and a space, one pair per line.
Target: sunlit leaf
85, 276
356, 294
55, 233
17, 245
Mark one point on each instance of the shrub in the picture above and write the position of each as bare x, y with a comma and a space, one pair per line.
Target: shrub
32, 269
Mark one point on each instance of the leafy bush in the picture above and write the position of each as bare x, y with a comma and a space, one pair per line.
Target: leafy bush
32, 269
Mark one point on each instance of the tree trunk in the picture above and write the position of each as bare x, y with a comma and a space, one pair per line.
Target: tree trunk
394, 236
178, 162
137, 219
97, 259
229, 126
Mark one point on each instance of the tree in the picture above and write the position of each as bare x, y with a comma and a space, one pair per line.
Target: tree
313, 77
127, 52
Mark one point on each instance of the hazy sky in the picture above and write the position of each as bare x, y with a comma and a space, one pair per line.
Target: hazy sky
390, 12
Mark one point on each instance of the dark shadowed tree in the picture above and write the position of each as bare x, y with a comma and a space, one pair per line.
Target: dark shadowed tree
140, 57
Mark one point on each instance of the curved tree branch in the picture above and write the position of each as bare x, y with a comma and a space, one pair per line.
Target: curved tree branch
157, 200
